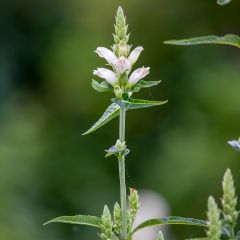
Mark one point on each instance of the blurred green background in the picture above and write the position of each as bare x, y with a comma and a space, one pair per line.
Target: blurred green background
48, 169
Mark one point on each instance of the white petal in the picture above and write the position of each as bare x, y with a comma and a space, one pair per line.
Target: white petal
106, 74
122, 64
106, 54
134, 55
138, 74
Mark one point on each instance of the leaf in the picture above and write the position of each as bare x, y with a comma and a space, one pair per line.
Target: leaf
223, 2
170, 220
101, 87
111, 112
145, 84
137, 103
202, 238
92, 221
229, 39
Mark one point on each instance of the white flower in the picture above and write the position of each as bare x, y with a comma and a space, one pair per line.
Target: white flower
122, 64
138, 74
235, 144
134, 55
107, 54
107, 74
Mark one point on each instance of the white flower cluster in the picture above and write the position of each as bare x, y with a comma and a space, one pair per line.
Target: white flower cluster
120, 66
121, 60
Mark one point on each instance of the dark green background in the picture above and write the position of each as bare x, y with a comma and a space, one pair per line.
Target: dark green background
48, 169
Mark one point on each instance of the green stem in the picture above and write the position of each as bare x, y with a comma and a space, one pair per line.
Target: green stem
121, 163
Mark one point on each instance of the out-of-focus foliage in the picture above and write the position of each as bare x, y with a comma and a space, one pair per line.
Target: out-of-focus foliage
46, 60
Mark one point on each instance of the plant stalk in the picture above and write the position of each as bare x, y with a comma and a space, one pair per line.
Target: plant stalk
121, 163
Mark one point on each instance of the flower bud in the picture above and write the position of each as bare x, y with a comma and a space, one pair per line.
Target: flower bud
118, 92
134, 55
106, 74
137, 75
117, 214
120, 145
229, 200
107, 54
106, 225
214, 222
123, 49
133, 203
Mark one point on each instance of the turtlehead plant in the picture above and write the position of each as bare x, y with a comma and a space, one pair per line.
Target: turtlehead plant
122, 80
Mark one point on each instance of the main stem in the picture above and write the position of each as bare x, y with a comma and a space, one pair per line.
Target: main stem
121, 163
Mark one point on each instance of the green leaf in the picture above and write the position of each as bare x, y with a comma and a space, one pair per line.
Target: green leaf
229, 39
203, 238
111, 112
92, 221
137, 103
145, 84
223, 2
101, 87
170, 220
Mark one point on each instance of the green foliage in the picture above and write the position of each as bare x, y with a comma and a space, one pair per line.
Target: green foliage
169, 221
145, 84
229, 39
102, 87
78, 219
111, 112
214, 223
137, 103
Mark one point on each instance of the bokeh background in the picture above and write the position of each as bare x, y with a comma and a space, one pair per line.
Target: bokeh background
178, 150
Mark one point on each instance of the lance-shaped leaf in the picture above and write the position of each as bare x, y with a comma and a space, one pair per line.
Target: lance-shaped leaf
145, 84
229, 39
170, 220
223, 2
111, 112
78, 219
101, 87
137, 103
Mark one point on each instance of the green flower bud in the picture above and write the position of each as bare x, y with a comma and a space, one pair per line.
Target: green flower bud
133, 203
120, 145
121, 36
120, 19
214, 222
117, 214
229, 200
118, 92
123, 49
107, 224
